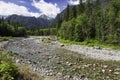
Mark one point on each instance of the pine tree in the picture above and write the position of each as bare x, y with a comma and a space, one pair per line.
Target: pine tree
73, 13
67, 13
81, 7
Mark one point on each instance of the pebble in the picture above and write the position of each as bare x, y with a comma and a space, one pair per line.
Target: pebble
117, 73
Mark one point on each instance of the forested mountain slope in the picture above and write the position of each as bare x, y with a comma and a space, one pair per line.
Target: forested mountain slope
11, 29
97, 20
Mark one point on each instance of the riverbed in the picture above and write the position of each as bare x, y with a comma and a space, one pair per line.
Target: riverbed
58, 61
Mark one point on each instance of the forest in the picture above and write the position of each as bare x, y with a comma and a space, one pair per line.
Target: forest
91, 21
17, 30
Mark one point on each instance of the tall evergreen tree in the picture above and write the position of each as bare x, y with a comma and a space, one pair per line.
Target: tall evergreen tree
73, 12
81, 7
67, 13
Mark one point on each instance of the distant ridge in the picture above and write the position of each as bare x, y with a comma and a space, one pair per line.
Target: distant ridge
31, 22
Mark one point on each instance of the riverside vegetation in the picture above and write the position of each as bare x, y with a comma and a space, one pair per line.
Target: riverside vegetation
9, 71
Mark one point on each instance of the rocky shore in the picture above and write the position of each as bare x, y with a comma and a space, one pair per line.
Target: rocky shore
95, 52
56, 61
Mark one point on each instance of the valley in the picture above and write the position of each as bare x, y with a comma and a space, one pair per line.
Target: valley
60, 40
56, 61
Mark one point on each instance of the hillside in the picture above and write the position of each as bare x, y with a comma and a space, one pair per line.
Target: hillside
97, 21
31, 22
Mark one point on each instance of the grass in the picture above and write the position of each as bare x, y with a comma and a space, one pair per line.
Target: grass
4, 38
92, 43
24, 74
46, 40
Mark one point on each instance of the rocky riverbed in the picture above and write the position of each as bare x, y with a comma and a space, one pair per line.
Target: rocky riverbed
56, 61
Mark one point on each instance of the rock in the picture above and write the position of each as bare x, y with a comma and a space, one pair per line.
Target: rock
58, 62
87, 65
108, 77
110, 71
83, 76
117, 69
94, 69
18, 61
34, 69
29, 62
70, 64
67, 77
50, 74
59, 74
86, 79
76, 78
105, 66
62, 45
97, 47
103, 70
117, 73
94, 65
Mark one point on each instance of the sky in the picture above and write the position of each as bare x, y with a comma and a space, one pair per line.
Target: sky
34, 7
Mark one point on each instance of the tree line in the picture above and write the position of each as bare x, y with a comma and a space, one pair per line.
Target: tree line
11, 29
17, 30
91, 20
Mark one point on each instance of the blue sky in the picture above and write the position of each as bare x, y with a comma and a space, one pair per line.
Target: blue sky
34, 7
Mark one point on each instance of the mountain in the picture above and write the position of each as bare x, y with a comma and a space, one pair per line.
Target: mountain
31, 22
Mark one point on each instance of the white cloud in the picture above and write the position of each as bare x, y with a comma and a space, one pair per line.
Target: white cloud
73, 2
46, 8
11, 8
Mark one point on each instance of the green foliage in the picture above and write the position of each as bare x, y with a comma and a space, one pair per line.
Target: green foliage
4, 38
46, 40
11, 29
42, 32
93, 23
7, 69
67, 13
73, 12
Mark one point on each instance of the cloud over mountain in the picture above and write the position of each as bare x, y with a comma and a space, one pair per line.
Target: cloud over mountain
46, 8
8, 8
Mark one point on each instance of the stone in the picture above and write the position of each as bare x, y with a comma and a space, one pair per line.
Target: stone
117, 73
76, 78
97, 47
70, 64
59, 74
117, 69
67, 77
103, 70
62, 45
86, 79
110, 71
18, 61
105, 66
82, 76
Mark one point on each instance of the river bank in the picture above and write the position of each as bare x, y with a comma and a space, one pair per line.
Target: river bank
57, 61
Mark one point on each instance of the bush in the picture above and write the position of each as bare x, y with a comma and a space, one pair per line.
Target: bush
8, 71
